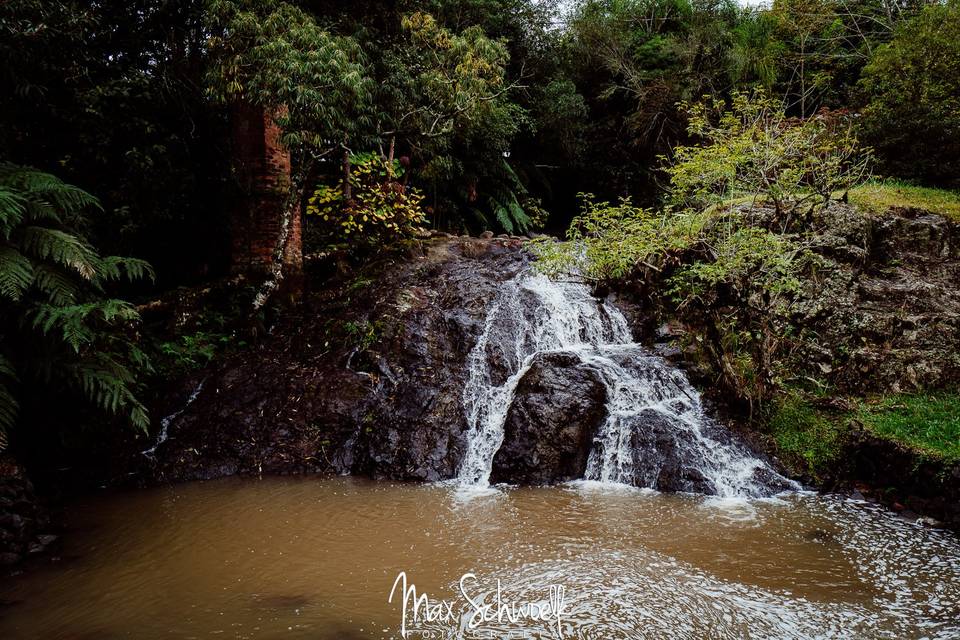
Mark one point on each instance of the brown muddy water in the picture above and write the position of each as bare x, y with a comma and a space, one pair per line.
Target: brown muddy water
316, 558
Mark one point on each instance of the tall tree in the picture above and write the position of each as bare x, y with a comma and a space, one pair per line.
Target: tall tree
272, 55
912, 87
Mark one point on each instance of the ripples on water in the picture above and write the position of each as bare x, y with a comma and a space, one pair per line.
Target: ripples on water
311, 558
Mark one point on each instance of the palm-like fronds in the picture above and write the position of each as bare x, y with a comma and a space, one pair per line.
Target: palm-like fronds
504, 187
56, 324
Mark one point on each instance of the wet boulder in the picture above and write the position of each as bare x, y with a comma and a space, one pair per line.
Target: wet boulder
666, 458
557, 408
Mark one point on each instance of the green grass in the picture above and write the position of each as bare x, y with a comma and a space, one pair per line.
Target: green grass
812, 440
928, 422
879, 197
809, 440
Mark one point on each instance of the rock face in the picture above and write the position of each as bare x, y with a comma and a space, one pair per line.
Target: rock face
370, 378
24, 523
889, 313
657, 444
367, 379
558, 406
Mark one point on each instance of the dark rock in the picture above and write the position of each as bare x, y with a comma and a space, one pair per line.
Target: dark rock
660, 453
23, 519
558, 406
369, 381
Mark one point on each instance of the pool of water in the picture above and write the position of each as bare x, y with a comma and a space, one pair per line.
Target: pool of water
317, 558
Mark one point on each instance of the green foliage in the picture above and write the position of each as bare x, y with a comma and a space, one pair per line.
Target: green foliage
380, 207
56, 324
809, 439
362, 335
107, 96
754, 149
272, 54
912, 89
610, 242
460, 76
743, 260
928, 422
459, 120
192, 351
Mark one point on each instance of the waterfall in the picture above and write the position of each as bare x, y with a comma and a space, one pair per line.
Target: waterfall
650, 405
168, 420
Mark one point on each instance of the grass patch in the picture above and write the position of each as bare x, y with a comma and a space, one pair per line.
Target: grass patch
809, 439
928, 422
879, 197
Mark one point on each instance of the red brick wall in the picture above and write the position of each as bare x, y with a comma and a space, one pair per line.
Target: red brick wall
263, 168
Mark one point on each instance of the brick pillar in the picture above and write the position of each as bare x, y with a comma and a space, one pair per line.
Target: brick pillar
263, 169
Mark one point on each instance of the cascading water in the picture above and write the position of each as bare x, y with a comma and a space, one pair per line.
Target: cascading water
651, 407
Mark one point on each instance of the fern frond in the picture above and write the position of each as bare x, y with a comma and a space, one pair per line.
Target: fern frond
59, 288
46, 187
12, 207
108, 385
72, 320
61, 247
83, 341
116, 267
16, 273
41, 211
503, 215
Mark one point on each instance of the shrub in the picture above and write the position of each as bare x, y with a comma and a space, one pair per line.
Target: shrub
912, 92
376, 205
608, 242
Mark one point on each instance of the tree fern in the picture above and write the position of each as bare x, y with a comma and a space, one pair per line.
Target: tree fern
503, 186
57, 328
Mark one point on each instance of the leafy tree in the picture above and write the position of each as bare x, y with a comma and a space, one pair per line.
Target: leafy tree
273, 55
107, 95
802, 24
458, 118
912, 89
753, 149
57, 325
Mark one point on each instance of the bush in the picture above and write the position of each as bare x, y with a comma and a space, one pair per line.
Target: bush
608, 242
377, 206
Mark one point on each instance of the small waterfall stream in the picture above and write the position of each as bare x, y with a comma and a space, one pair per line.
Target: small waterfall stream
650, 405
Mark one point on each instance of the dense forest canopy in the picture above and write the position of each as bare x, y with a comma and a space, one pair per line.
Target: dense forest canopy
462, 115
505, 109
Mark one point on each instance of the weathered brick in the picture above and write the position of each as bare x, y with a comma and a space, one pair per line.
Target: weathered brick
262, 167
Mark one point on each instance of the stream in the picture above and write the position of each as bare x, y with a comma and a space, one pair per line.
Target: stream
306, 557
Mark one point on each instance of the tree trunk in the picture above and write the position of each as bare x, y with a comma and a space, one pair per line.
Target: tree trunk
393, 144
347, 187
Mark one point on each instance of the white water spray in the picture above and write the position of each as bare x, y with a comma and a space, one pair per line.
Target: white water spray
168, 420
647, 400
